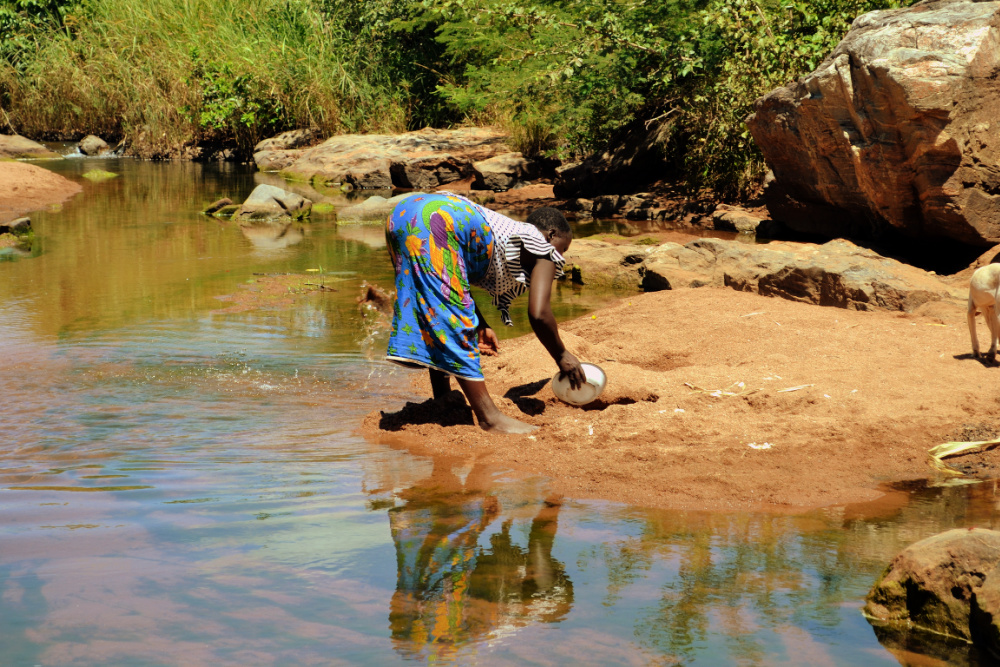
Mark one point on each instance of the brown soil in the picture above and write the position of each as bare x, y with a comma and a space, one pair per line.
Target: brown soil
833, 404
27, 187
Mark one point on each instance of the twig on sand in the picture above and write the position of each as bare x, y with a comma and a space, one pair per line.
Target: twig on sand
801, 386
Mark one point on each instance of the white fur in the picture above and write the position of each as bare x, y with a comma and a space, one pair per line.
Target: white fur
984, 294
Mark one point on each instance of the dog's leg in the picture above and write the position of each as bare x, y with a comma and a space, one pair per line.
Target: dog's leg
972, 327
990, 313
994, 316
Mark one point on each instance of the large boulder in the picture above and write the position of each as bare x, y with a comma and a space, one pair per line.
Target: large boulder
268, 203
16, 147
424, 159
931, 584
837, 273
895, 132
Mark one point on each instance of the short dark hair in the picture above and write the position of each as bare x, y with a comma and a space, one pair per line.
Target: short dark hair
546, 218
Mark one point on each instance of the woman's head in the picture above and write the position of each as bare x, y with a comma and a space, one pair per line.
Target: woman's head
552, 224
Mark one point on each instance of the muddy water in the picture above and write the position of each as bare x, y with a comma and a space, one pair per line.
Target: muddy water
181, 483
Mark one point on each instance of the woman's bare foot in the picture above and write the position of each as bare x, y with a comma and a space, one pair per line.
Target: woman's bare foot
504, 424
487, 413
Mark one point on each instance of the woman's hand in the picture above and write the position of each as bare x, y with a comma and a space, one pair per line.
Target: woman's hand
569, 366
488, 343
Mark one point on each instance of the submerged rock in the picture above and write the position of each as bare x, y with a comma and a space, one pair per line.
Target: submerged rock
931, 585
897, 129
217, 205
97, 175
270, 203
16, 147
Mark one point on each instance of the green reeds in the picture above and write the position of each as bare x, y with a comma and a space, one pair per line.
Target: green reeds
168, 73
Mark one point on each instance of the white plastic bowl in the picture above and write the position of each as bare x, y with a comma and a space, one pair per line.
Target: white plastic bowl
591, 389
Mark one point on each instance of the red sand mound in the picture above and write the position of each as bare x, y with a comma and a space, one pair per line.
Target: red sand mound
27, 187
720, 400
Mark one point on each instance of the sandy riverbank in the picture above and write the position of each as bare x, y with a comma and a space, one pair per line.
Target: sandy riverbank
27, 187
833, 403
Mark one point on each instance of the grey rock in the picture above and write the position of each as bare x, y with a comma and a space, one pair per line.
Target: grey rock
606, 205
503, 172
579, 205
735, 219
16, 147
270, 203
94, 145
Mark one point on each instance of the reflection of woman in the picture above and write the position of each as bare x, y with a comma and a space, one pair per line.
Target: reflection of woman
449, 590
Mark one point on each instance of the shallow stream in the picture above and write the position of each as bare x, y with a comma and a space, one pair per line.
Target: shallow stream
181, 481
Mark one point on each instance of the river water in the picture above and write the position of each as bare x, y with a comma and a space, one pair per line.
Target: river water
181, 481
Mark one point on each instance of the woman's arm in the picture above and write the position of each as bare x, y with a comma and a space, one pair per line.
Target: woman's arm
543, 322
488, 342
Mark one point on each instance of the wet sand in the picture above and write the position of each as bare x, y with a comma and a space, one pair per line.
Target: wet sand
724, 400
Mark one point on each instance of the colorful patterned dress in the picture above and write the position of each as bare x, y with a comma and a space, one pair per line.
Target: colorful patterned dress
440, 245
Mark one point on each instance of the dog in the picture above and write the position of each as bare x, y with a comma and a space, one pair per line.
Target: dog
984, 294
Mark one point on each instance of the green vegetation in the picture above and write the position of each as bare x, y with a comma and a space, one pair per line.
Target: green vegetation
563, 76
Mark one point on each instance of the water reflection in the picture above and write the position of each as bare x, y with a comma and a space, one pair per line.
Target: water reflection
462, 576
273, 235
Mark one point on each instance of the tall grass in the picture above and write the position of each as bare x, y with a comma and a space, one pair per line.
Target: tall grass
162, 73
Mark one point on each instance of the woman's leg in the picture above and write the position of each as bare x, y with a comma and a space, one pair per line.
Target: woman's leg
487, 413
440, 383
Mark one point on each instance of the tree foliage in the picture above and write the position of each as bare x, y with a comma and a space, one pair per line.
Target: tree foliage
585, 68
562, 75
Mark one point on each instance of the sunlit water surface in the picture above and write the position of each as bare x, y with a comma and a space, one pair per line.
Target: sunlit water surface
181, 485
